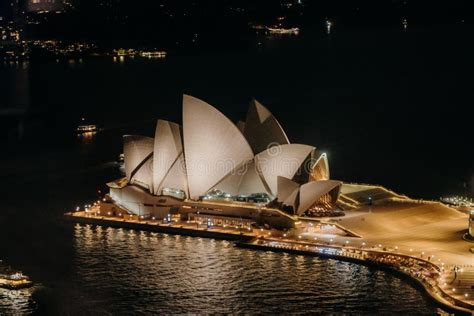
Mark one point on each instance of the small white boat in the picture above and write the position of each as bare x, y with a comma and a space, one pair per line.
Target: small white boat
281, 30
84, 128
12, 280
81, 129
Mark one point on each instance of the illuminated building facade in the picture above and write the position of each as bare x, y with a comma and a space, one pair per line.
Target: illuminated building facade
249, 170
44, 5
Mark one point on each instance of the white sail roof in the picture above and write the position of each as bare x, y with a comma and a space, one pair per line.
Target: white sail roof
284, 160
312, 191
143, 174
252, 182
175, 177
168, 148
243, 181
241, 126
262, 129
230, 183
320, 169
293, 199
213, 145
135, 149
285, 188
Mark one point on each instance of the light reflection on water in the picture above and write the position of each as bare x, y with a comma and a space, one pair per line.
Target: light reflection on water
125, 270
116, 271
17, 302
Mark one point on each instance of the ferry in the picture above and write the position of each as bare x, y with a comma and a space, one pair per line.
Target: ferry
280, 30
152, 54
86, 128
14, 280
81, 129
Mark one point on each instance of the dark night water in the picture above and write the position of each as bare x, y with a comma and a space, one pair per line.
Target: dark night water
388, 107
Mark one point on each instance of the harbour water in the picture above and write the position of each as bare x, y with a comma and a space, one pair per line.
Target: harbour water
115, 271
340, 101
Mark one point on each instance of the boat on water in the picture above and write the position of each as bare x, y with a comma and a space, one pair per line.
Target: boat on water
152, 54
81, 129
281, 30
85, 128
13, 280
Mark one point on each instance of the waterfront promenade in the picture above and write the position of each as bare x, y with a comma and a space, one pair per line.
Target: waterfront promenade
430, 266
424, 230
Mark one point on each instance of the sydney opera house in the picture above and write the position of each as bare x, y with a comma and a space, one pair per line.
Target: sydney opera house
216, 170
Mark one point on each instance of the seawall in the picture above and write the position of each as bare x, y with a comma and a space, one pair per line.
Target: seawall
247, 240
